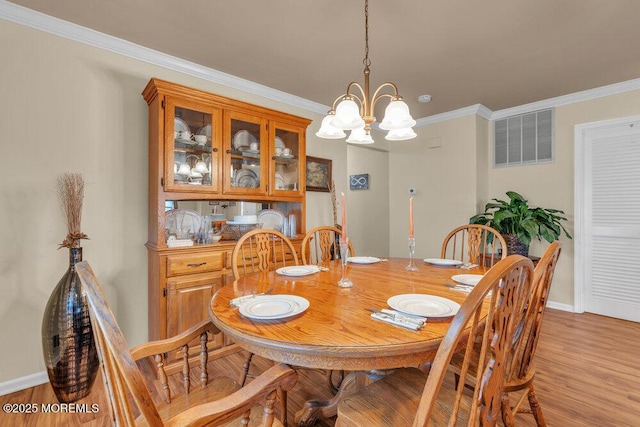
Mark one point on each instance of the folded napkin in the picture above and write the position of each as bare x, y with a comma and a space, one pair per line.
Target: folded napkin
237, 302
466, 288
395, 321
405, 317
318, 267
462, 288
467, 266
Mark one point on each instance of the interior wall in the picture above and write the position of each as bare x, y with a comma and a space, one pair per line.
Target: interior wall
368, 210
71, 107
441, 165
319, 205
483, 162
551, 185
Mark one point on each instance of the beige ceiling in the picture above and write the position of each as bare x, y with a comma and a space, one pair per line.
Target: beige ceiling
499, 53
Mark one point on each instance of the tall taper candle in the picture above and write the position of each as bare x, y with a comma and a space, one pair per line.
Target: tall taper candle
411, 234
344, 219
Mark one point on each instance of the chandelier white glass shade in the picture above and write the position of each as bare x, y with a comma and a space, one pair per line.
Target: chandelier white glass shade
397, 116
347, 115
328, 131
400, 134
360, 136
354, 109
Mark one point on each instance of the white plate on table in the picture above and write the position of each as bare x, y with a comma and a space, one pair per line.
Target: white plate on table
467, 279
363, 259
443, 262
270, 307
298, 270
424, 305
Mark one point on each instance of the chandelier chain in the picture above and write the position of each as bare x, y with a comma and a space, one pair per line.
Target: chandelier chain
366, 61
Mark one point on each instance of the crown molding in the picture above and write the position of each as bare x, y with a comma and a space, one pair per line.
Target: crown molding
30, 18
572, 98
486, 113
39, 21
473, 110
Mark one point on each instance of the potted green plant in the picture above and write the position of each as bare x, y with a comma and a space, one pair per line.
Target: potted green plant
519, 223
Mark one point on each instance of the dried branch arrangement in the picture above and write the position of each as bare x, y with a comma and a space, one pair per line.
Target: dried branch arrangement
70, 188
333, 202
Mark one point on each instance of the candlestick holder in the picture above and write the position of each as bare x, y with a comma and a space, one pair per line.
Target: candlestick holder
412, 247
344, 282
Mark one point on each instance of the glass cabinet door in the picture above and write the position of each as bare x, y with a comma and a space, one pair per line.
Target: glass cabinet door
286, 162
246, 148
192, 147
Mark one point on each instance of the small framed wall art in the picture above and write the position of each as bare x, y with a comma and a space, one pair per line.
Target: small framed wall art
359, 182
318, 174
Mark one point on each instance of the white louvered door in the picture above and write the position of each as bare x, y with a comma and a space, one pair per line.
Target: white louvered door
611, 221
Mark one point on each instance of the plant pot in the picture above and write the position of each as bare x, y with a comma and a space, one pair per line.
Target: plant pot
515, 246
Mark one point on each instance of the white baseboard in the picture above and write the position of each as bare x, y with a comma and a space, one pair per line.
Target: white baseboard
560, 306
23, 382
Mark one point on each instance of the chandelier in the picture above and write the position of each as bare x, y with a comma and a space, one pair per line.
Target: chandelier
354, 111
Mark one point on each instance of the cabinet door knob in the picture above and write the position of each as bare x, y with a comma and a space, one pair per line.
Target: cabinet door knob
196, 265
214, 149
228, 151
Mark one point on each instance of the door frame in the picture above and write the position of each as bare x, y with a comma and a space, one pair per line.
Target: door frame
581, 251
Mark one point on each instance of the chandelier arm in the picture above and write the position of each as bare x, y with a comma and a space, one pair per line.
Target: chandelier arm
339, 98
363, 100
377, 98
356, 84
384, 85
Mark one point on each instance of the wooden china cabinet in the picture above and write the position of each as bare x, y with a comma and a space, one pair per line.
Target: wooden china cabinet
204, 147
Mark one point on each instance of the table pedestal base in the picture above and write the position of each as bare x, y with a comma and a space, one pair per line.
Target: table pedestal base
352, 382
314, 409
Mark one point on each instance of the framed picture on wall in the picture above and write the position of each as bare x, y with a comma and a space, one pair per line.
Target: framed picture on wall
318, 174
359, 182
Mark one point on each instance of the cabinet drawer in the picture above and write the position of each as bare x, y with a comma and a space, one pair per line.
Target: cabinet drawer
194, 263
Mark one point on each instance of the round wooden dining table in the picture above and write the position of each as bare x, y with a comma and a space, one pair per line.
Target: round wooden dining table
336, 331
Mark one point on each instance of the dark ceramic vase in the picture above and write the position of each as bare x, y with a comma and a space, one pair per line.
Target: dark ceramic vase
67, 337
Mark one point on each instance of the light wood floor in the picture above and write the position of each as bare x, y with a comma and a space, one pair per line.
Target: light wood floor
588, 375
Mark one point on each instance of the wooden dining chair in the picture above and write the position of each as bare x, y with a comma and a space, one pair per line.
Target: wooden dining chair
322, 244
520, 371
474, 243
262, 250
259, 251
411, 397
214, 401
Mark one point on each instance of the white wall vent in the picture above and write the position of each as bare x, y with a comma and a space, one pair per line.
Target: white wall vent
524, 139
